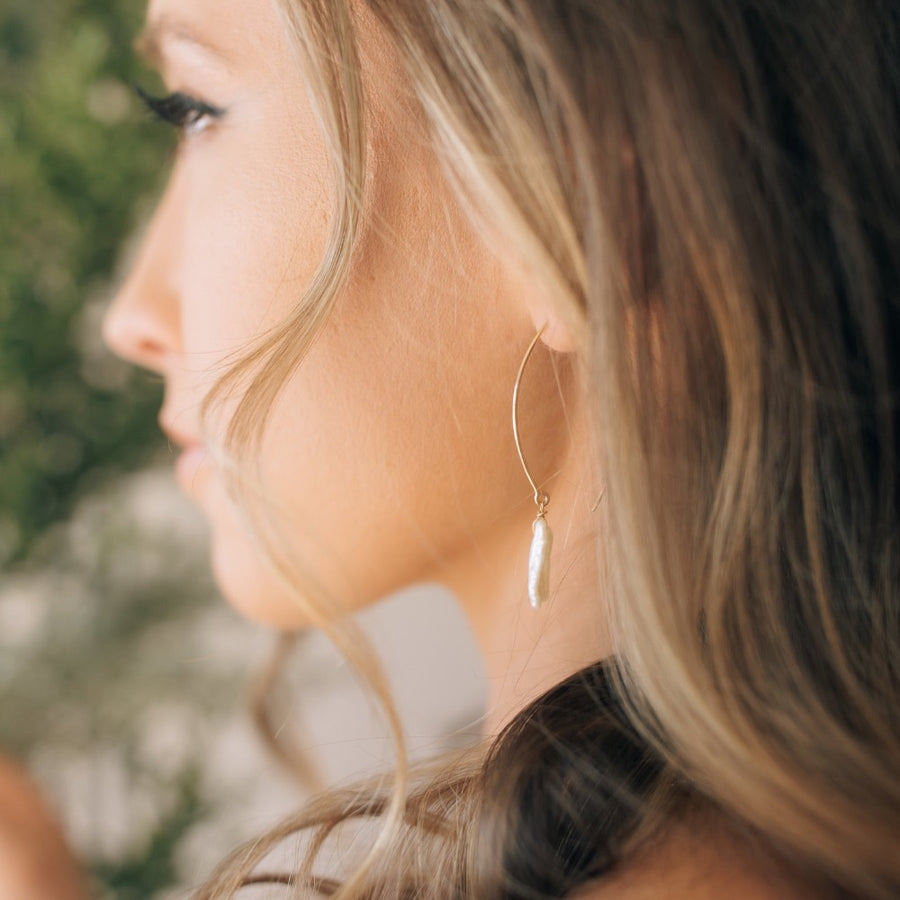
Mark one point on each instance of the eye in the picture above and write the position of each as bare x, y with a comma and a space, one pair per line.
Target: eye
186, 113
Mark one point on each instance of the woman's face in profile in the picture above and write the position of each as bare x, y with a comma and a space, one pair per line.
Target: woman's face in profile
388, 455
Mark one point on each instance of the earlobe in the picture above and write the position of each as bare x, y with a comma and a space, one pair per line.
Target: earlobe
534, 293
556, 334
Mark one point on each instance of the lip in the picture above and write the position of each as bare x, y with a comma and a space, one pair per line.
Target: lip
193, 454
188, 465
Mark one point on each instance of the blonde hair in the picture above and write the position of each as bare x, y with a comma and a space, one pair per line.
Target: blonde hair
710, 193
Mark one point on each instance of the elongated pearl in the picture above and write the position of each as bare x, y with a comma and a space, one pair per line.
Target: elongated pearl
539, 563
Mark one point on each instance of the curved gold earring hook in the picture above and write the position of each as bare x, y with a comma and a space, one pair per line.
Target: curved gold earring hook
542, 540
540, 497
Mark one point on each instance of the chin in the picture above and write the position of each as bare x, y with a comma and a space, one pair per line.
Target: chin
248, 582
244, 577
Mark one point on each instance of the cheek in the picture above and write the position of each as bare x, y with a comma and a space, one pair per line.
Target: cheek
254, 231
390, 450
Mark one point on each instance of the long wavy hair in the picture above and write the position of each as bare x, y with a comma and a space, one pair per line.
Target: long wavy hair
711, 192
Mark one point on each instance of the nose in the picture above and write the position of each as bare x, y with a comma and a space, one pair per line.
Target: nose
142, 324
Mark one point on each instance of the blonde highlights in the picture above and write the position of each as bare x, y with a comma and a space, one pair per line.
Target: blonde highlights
710, 195
324, 35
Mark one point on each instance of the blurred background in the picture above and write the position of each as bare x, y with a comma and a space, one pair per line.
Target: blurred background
123, 678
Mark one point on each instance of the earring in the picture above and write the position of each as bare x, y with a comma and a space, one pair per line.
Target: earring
542, 540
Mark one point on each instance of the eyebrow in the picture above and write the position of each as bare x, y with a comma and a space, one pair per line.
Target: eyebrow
159, 32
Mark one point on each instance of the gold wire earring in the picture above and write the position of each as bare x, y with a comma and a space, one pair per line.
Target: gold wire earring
542, 541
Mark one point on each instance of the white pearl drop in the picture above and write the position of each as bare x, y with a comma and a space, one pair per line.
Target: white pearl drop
539, 563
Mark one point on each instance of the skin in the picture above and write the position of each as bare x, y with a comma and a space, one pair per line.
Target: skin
704, 859
35, 863
389, 458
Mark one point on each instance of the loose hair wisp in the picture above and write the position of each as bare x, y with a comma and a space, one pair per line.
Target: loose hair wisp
710, 193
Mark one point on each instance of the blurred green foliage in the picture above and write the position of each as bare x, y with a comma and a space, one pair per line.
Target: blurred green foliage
78, 161
153, 868
76, 153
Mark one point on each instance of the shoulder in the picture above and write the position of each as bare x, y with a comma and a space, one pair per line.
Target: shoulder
34, 859
701, 863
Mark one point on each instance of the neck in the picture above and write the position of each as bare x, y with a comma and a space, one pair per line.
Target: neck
527, 651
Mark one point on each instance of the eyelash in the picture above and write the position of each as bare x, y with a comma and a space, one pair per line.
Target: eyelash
188, 114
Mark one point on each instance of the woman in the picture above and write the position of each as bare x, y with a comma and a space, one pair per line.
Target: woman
686, 213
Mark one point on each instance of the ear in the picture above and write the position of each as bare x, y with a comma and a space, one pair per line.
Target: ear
558, 333
561, 328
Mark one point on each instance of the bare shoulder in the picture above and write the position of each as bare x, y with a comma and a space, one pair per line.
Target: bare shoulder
701, 864
34, 859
